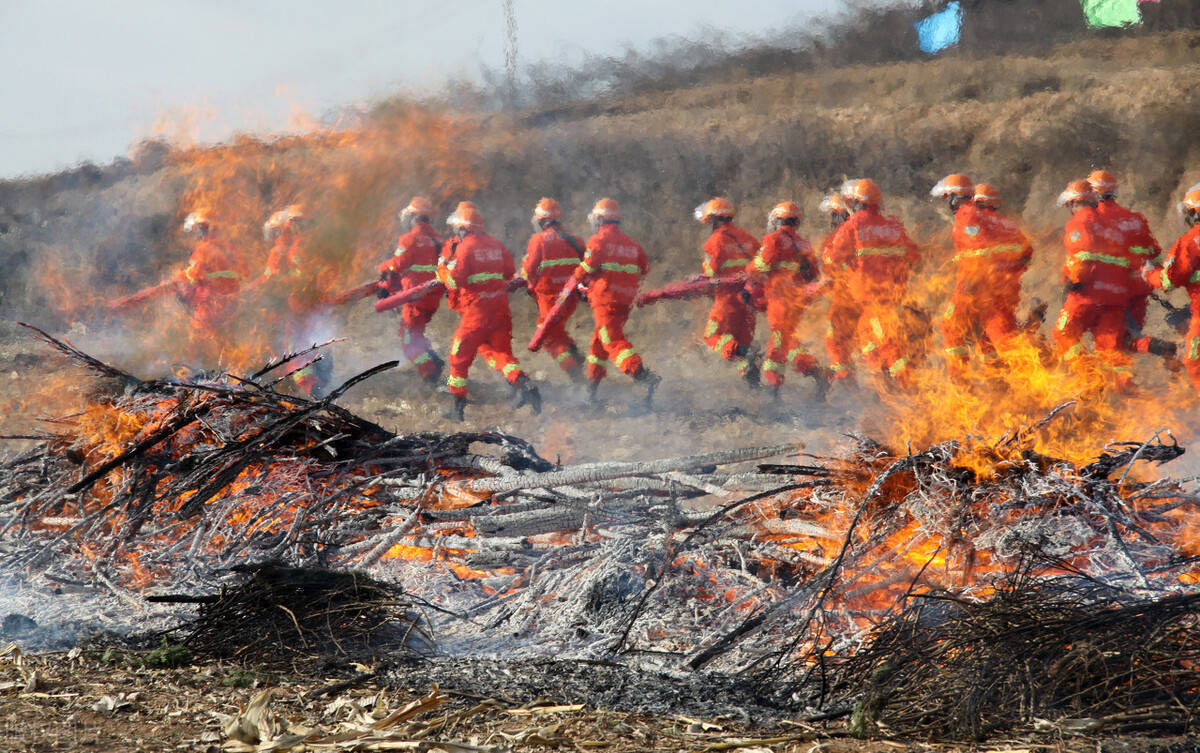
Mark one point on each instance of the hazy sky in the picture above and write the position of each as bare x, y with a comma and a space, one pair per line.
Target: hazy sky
85, 79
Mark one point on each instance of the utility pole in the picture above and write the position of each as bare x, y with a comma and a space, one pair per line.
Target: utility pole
510, 53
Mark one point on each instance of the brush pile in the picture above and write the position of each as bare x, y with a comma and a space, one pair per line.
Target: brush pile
876, 580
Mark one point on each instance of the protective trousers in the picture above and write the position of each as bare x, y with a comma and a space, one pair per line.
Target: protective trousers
208, 330
988, 321
839, 335
557, 342
487, 332
1191, 353
881, 340
609, 342
1106, 322
730, 329
783, 344
416, 347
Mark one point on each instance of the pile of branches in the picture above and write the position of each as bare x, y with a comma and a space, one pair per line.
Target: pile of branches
287, 614
1067, 649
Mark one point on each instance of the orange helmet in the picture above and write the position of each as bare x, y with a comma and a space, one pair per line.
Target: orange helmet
955, 184
986, 195
866, 192
466, 217
716, 207
834, 204
198, 220
1103, 182
547, 209
847, 188
1076, 190
606, 210
296, 212
786, 210
418, 207
1191, 200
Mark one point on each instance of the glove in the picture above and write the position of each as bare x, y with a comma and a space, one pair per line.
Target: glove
745, 296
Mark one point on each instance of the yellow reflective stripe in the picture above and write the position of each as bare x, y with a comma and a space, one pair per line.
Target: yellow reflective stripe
1143, 250
483, 277
456, 381
1073, 352
1063, 319
877, 328
761, 264
1194, 278
588, 268
949, 310
791, 266
562, 356
604, 336
769, 365
510, 368
1194, 349
725, 339
594, 359
610, 266
882, 251
624, 355
898, 366
421, 358
836, 367
707, 268
224, 274
1102, 258
958, 350
710, 328
975, 253
569, 261
728, 263
794, 353
455, 344
868, 348
430, 268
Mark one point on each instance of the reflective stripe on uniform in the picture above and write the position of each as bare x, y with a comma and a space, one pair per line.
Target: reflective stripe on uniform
421, 358
975, 253
224, 274
483, 277
761, 264
730, 263
868, 348
1102, 258
1142, 250
1194, 349
454, 381
624, 356
898, 366
877, 328
949, 310
958, 350
455, 344
604, 336
511, 368
1063, 319
1194, 278
588, 268
610, 266
776, 338
769, 365
430, 268
795, 353
1073, 352
710, 328
720, 345
595, 360
836, 367
568, 261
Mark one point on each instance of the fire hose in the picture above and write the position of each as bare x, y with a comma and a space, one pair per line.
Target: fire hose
693, 287
396, 300
145, 295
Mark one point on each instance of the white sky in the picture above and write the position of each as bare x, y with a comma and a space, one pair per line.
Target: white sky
85, 79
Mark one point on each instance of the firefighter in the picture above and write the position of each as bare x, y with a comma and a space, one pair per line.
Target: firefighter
875, 254
839, 334
785, 264
295, 272
550, 261
209, 286
1098, 282
991, 254
414, 263
612, 269
476, 279
1181, 268
1140, 247
729, 330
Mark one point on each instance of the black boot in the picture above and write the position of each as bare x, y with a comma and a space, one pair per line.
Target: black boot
439, 366
821, 380
650, 380
576, 374
527, 394
753, 373
456, 410
593, 386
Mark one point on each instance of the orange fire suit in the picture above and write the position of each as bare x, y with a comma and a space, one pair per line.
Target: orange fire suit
413, 264
612, 268
991, 253
1182, 269
875, 255
843, 315
730, 327
1099, 288
1140, 247
211, 280
305, 279
785, 263
476, 279
550, 261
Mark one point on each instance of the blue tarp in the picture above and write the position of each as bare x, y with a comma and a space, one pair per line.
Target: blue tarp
941, 30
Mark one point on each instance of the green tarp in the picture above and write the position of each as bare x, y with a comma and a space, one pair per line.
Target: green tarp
1111, 12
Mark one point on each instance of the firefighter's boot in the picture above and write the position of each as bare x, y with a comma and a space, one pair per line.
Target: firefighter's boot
456, 409
751, 372
576, 373
527, 394
648, 379
593, 388
435, 377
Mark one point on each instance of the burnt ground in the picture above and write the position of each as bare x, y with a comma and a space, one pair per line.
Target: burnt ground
104, 700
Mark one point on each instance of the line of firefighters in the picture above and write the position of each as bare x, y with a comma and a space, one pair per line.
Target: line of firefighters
1113, 264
